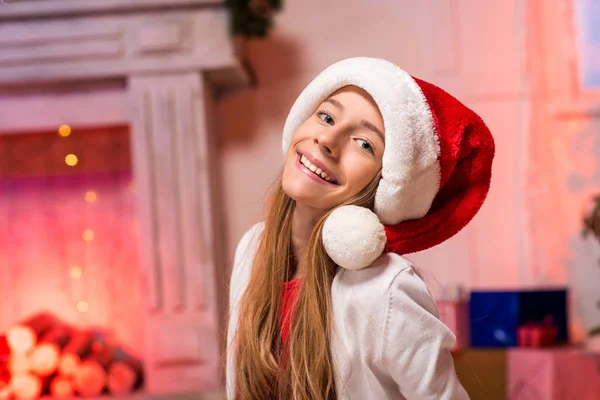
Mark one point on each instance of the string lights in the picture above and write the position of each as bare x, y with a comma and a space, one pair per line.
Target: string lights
71, 160
88, 235
64, 130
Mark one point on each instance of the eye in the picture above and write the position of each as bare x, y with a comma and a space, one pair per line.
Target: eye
323, 116
365, 145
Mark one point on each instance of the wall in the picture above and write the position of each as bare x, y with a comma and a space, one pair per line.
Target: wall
563, 166
475, 50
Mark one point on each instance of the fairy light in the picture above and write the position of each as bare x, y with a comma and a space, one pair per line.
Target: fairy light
71, 160
82, 306
90, 196
76, 273
88, 235
64, 130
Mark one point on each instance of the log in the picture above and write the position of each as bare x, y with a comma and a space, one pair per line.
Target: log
46, 355
4, 349
125, 376
4, 359
62, 388
90, 378
26, 386
5, 392
4, 373
23, 336
79, 347
19, 364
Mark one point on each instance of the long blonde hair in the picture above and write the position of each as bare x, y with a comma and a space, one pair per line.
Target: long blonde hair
307, 372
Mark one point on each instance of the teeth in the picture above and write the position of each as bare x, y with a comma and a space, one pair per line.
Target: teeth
314, 168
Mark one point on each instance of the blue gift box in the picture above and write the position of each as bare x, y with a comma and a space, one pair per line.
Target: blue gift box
496, 315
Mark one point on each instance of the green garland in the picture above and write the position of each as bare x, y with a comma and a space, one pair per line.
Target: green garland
252, 17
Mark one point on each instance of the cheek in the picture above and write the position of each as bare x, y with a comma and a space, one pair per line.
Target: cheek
359, 172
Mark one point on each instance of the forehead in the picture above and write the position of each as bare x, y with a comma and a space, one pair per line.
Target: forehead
360, 102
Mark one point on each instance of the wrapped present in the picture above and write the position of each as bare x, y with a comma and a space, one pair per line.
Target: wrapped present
534, 334
455, 315
495, 316
453, 307
482, 372
552, 374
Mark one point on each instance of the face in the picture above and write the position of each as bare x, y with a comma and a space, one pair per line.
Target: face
336, 152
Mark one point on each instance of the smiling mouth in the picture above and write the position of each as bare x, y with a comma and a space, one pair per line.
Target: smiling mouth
316, 170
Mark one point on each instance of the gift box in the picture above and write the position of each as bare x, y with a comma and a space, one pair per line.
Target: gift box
455, 315
453, 307
495, 316
482, 372
537, 335
552, 374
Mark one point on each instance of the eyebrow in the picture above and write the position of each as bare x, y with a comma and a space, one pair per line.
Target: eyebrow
372, 127
365, 123
335, 103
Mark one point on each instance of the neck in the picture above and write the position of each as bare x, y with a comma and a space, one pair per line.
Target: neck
303, 223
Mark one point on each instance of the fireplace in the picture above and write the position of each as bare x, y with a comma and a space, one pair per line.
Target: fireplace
107, 183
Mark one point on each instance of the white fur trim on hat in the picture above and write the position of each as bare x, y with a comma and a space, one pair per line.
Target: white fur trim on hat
411, 171
350, 245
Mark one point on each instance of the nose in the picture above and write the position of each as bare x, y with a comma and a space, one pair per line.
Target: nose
330, 139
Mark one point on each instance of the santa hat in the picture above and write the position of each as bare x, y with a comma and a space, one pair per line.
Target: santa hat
436, 163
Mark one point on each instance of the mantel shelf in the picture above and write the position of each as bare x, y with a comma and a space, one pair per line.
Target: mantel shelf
21, 9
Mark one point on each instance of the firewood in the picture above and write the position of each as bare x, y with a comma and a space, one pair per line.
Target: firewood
91, 377
19, 364
5, 392
46, 355
26, 386
4, 349
23, 336
76, 350
4, 373
125, 375
4, 358
61, 388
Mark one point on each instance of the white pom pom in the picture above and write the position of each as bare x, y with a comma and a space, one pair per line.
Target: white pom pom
353, 237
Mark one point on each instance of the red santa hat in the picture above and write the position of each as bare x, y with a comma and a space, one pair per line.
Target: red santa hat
436, 163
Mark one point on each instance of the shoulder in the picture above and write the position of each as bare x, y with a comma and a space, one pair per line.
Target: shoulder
383, 280
242, 263
391, 294
248, 242
390, 289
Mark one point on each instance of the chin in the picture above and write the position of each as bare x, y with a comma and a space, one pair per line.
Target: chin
304, 195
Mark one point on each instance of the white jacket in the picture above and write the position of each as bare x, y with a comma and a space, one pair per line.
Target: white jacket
388, 342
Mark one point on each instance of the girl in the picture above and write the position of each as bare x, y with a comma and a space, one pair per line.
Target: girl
378, 164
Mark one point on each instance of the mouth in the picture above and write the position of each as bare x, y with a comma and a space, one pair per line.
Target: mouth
316, 169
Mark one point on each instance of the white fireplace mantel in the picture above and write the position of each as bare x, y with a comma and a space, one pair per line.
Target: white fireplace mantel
108, 46
17, 9
170, 58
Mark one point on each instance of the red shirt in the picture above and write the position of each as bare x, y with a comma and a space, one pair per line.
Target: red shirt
288, 298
